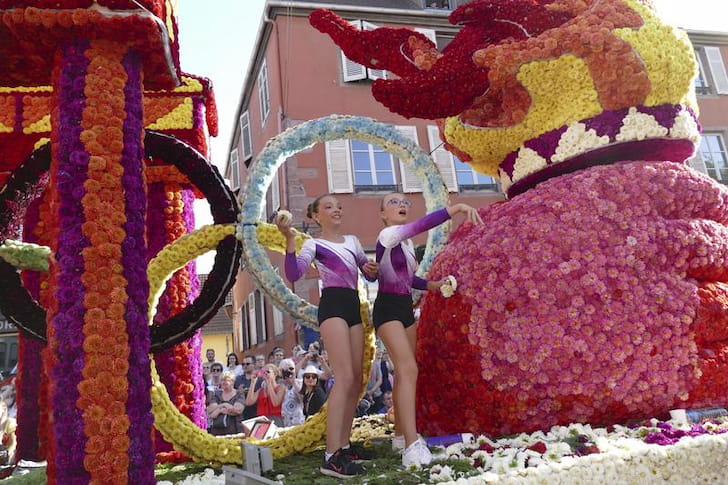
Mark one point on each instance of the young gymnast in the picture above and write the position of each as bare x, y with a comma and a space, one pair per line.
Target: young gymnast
393, 314
338, 258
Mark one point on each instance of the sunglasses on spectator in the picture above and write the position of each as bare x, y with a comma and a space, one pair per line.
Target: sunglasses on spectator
216, 370
402, 202
310, 376
247, 363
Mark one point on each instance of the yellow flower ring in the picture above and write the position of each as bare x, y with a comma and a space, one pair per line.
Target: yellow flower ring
177, 428
300, 137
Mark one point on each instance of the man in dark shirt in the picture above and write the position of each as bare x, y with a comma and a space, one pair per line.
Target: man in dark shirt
242, 384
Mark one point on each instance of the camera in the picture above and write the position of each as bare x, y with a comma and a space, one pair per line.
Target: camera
286, 374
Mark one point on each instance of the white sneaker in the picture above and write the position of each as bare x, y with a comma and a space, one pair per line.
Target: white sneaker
416, 454
398, 443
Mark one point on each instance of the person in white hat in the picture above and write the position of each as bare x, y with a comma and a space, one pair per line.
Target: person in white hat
313, 394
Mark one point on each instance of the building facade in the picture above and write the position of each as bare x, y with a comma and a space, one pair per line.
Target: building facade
297, 74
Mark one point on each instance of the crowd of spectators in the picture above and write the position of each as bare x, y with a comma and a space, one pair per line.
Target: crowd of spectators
284, 389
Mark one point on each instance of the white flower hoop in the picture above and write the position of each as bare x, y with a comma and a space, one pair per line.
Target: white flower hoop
300, 137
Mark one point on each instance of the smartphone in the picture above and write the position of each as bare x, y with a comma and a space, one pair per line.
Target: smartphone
261, 374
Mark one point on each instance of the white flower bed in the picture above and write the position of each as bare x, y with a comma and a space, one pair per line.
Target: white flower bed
623, 457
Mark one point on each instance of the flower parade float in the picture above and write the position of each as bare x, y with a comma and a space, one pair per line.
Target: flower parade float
596, 293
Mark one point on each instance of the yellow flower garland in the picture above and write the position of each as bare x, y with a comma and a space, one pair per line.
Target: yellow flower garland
175, 427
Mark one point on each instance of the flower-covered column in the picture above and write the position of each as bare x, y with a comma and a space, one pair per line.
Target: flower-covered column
97, 327
170, 215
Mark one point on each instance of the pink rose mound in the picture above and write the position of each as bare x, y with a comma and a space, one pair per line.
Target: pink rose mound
597, 296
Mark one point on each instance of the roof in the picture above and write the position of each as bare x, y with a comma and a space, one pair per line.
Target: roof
220, 323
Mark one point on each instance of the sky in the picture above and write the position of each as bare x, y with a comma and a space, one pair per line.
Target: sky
217, 39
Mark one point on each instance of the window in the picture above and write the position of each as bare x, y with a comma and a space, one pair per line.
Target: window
712, 78
373, 165
353, 71
234, 175
713, 154
470, 179
354, 165
245, 137
263, 93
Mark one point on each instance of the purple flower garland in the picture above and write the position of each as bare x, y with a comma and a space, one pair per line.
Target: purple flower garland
69, 170
139, 404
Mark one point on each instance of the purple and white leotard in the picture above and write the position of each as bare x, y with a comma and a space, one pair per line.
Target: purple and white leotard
337, 263
396, 254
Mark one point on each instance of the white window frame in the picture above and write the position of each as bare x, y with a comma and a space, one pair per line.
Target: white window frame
715, 172
443, 158
246, 139
712, 70
263, 92
372, 164
252, 326
234, 175
353, 71
475, 174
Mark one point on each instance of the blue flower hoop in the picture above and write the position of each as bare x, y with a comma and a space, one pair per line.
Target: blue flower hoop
301, 137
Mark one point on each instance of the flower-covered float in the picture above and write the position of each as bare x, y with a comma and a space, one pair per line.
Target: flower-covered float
596, 293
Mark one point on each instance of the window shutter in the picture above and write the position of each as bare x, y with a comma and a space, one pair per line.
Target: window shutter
245, 135
443, 159
351, 70
234, 170
373, 73
429, 33
410, 181
275, 192
260, 315
263, 94
338, 167
251, 319
717, 69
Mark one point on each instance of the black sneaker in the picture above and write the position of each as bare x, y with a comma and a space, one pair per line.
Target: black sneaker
357, 453
340, 466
